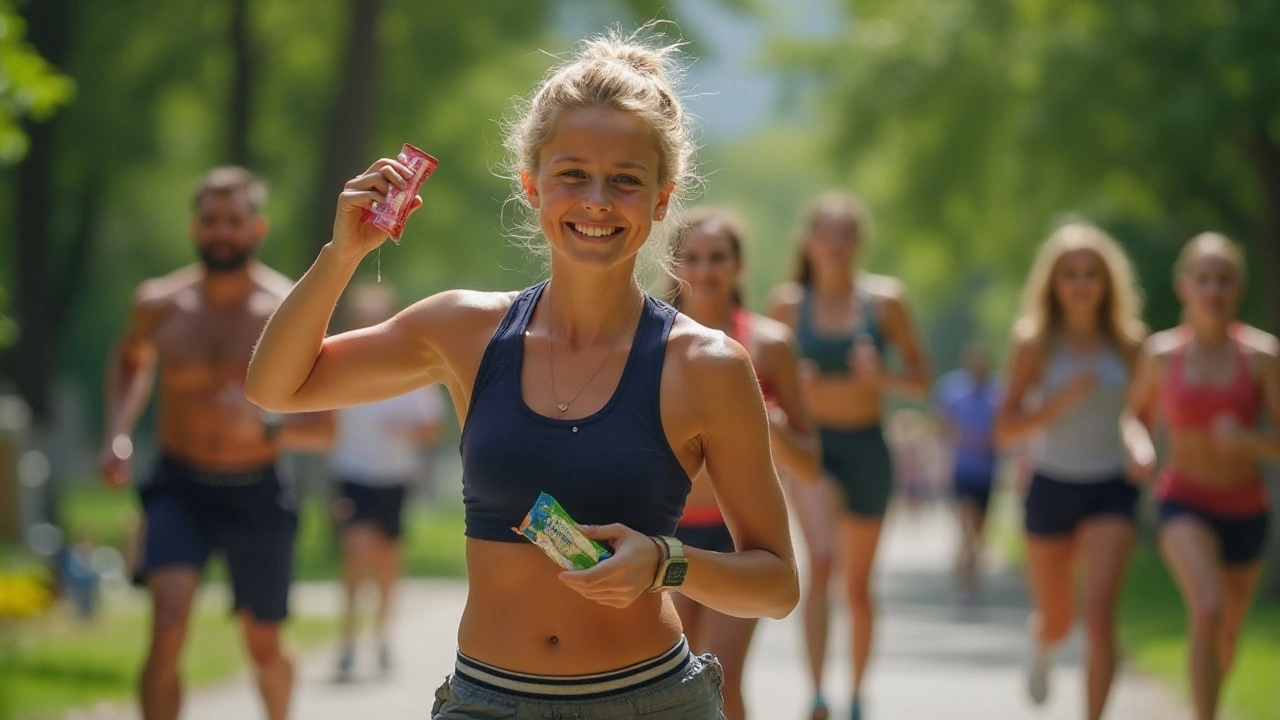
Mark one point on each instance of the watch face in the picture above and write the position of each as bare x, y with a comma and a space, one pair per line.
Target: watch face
674, 576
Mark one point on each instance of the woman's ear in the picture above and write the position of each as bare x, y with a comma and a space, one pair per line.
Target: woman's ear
664, 200
530, 189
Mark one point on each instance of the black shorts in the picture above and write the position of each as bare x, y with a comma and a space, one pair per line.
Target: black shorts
379, 505
715, 538
249, 515
974, 490
860, 463
1241, 540
1054, 507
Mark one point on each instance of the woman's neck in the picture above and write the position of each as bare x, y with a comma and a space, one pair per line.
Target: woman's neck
712, 312
834, 282
585, 309
1081, 325
1210, 333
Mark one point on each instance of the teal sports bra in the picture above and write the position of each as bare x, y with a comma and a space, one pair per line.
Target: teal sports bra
831, 353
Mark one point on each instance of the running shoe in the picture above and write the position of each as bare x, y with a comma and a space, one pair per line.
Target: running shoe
819, 710
384, 659
1038, 676
855, 710
346, 661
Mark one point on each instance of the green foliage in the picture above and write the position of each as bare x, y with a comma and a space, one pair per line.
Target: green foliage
8, 328
29, 86
973, 127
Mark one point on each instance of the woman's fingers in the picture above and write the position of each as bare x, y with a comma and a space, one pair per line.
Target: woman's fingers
393, 163
361, 198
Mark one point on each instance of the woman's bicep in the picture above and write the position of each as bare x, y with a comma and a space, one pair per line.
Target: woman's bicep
785, 380
1022, 361
371, 364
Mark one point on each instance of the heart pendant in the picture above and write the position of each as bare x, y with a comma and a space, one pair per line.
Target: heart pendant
563, 407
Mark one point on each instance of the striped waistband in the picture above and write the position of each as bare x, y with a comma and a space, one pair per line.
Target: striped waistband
575, 687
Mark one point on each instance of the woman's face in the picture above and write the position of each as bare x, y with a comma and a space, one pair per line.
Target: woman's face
833, 242
1210, 289
596, 186
706, 265
1080, 282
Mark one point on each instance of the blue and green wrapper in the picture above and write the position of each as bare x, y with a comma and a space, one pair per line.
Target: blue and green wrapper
551, 528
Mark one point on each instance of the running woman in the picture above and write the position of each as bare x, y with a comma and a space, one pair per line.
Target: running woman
1073, 349
215, 487
965, 401
377, 459
1211, 380
583, 387
708, 248
844, 322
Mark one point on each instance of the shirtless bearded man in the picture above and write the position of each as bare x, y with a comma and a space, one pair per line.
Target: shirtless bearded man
215, 484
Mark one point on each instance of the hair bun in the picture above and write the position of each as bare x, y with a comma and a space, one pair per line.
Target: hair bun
646, 51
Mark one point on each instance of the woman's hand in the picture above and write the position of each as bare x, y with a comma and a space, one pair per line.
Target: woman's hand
618, 580
865, 361
351, 237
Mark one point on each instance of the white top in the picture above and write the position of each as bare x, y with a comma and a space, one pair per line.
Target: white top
1082, 444
376, 444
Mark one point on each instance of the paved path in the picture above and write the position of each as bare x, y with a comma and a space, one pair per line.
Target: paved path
931, 661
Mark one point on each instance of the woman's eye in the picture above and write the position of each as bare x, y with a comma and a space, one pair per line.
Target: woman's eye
629, 179
573, 174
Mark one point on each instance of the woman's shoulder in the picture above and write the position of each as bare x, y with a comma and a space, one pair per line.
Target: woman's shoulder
771, 334
704, 355
884, 288
459, 311
1257, 341
1165, 343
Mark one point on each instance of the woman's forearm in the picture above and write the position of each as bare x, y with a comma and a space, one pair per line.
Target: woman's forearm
748, 583
912, 384
293, 336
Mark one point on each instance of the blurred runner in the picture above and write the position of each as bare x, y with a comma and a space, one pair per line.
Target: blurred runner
378, 459
1073, 348
1213, 380
965, 402
845, 321
215, 486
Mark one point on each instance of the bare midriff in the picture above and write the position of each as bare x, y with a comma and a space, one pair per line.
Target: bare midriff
1195, 456
519, 616
840, 402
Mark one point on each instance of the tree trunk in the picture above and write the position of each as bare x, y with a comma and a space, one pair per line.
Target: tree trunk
346, 149
240, 106
1265, 155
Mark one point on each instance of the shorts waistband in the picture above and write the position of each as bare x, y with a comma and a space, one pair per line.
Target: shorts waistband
197, 475
1238, 500
579, 687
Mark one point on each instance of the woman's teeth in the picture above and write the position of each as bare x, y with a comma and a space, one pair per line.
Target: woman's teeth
594, 231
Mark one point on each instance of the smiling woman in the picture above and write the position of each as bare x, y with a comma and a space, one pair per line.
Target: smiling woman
583, 387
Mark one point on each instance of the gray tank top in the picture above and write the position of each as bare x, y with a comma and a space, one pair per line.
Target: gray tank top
1083, 443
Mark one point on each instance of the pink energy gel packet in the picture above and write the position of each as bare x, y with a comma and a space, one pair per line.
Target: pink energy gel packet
390, 216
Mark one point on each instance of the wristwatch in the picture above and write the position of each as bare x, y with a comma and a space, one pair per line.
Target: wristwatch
672, 565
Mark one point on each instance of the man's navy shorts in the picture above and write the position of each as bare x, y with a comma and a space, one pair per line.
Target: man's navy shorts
249, 515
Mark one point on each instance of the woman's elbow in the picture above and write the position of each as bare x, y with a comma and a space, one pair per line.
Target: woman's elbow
787, 596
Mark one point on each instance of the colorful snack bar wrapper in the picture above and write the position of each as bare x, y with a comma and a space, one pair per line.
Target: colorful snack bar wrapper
390, 216
551, 528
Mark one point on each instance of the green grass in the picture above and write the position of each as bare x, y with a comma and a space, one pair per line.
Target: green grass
58, 662
433, 544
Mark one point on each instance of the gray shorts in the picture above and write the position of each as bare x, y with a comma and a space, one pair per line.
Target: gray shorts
690, 692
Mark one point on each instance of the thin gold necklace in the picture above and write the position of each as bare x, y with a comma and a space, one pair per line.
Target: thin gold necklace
551, 358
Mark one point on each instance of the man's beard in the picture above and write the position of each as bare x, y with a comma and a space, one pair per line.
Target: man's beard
230, 260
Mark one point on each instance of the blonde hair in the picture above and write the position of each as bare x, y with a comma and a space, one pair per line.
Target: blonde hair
833, 203
1211, 244
635, 72
1119, 314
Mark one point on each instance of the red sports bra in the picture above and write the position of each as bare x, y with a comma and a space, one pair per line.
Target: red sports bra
742, 333
1196, 406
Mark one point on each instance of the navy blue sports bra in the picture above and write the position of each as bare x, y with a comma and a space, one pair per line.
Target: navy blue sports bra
615, 465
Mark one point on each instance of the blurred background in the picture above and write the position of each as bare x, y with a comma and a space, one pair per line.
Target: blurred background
970, 128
